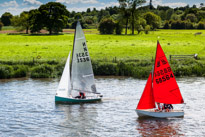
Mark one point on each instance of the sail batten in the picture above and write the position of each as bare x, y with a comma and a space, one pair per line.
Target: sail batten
165, 87
82, 77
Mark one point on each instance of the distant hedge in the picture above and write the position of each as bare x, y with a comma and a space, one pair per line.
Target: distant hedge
137, 69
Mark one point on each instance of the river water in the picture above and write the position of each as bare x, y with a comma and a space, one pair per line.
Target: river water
27, 108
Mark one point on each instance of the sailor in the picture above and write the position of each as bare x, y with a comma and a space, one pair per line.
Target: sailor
82, 95
160, 106
168, 107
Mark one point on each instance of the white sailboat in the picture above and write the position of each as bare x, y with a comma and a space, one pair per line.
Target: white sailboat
81, 78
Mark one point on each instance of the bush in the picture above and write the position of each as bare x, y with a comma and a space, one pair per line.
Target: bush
1, 25
182, 71
104, 68
59, 69
147, 29
20, 71
153, 20
189, 25
178, 25
118, 28
201, 25
42, 71
106, 26
6, 71
166, 25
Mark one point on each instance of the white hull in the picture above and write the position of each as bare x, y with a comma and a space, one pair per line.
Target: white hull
152, 113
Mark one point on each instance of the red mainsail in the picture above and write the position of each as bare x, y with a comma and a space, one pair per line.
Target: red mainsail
147, 98
165, 87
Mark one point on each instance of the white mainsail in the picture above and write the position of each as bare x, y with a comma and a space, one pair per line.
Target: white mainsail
82, 77
64, 87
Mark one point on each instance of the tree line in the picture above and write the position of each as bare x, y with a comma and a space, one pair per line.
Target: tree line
130, 14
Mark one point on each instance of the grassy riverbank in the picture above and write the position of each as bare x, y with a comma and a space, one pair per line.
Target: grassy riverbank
130, 55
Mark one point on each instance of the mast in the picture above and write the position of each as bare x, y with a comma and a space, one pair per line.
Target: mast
72, 57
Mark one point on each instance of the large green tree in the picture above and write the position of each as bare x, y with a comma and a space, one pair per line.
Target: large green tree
106, 26
6, 18
35, 21
1, 25
125, 13
54, 15
21, 22
153, 20
132, 5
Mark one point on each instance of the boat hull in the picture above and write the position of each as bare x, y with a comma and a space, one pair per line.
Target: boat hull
70, 100
152, 113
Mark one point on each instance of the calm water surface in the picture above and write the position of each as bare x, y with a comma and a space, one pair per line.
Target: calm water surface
27, 108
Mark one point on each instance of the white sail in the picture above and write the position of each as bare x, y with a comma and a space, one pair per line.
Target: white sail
64, 87
82, 78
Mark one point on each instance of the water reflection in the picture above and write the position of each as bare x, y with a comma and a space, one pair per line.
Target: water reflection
159, 127
81, 117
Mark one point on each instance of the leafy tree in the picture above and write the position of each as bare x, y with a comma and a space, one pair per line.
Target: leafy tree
200, 15
78, 16
89, 19
106, 26
164, 8
166, 25
191, 17
169, 13
103, 14
6, 18
147, 29
163, 15
1, 25
112, 10
175, 17
140, 25
35, 21
153, 20
54, 15
189, 24
72, 14
201, 25
132, 4
88, 10
179, 12
21, 22
118, 28
125, 12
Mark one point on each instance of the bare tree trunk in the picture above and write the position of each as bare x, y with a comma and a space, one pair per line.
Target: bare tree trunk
133, 25
50, 31
126, 26
26, 30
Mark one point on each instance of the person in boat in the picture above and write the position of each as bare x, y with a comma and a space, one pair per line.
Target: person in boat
160, 107
168, 107
81, 95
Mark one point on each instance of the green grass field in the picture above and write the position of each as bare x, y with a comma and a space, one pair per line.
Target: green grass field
119, 55
102, 47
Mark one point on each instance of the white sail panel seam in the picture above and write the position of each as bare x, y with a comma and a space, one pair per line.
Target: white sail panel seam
87, 75
80, 38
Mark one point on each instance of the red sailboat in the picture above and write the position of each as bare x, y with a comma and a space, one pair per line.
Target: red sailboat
161, 87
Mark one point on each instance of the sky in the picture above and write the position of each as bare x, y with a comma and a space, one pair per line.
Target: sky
15, 7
